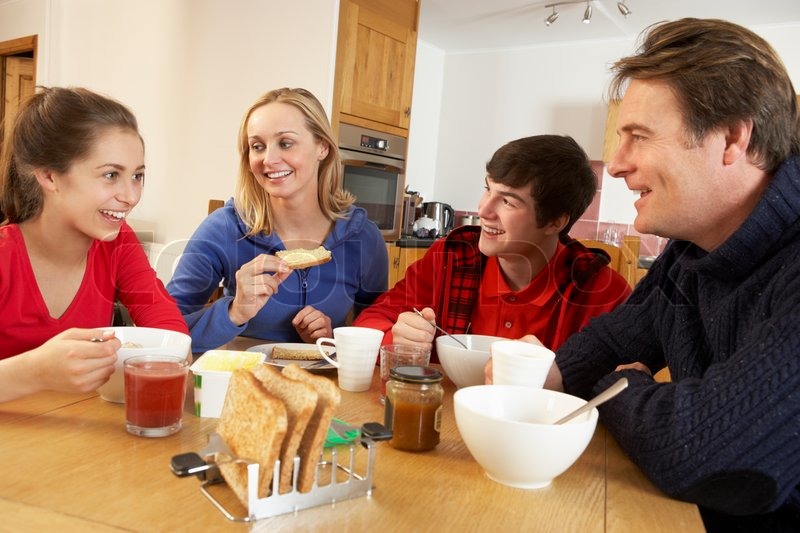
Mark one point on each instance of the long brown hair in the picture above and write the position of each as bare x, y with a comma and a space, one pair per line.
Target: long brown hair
252, 201
54, 128
721, 73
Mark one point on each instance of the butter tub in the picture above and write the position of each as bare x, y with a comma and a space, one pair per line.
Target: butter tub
212, 372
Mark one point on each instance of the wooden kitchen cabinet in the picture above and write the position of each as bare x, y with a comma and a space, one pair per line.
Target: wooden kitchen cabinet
400, 259
375, 54
611, 139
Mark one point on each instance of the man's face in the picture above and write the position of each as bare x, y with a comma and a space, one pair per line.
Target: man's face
508, 223
682, 187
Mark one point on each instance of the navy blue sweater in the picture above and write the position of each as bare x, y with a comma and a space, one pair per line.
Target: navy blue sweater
725, 433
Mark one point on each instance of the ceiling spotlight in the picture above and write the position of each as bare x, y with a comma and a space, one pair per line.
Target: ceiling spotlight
552, 17
622, 8
587, 15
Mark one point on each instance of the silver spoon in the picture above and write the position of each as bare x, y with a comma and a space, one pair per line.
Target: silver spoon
432, 323
603, 397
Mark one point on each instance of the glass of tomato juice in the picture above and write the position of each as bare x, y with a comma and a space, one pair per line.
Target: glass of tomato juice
155, 388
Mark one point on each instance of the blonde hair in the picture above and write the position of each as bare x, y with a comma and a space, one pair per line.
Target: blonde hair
252, 201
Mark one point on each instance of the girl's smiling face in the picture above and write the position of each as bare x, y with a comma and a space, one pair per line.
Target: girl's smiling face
98, 192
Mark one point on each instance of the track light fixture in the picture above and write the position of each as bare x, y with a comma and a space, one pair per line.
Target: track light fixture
552, 17
587, 13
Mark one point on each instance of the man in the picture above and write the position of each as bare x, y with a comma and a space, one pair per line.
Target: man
709, 136
519, 272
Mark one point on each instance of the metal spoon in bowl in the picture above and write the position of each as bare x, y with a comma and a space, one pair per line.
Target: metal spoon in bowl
603, 397
432, 323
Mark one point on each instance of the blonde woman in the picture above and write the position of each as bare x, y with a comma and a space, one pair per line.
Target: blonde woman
288, 195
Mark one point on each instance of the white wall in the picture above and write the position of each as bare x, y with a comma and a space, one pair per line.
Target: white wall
21, 18
189, 69
492, 98
423, 134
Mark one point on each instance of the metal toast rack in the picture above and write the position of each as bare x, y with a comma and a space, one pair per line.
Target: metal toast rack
344, 484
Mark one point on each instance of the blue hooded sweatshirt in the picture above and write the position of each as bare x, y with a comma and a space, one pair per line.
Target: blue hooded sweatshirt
356, 275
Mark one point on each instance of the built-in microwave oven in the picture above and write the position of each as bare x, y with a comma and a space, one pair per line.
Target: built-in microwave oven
374, 172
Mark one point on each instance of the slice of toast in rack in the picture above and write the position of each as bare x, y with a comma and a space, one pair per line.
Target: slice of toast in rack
300, 400
253, 424
314, 438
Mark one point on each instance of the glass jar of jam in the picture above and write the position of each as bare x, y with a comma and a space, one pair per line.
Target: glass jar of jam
414, 407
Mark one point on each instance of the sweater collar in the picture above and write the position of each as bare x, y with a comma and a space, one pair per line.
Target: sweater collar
772, 224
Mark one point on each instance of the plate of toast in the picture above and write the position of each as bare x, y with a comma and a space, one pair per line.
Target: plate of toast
303, 355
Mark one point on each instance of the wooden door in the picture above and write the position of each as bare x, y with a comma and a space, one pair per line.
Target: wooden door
375, 64
18, 84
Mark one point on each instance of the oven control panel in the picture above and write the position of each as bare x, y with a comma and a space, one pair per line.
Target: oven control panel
374, 142
370, 141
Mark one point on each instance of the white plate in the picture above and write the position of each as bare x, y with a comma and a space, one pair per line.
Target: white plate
318, 365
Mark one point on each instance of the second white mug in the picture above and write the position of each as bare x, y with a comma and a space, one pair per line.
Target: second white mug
520, 363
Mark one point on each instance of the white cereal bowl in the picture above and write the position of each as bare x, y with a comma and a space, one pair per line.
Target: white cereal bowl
463, 366
509, 431
153, 341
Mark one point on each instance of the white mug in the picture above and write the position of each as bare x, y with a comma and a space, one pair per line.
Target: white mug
520, 363
356, 355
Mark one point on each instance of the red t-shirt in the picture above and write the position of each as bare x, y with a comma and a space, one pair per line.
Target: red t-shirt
116, 269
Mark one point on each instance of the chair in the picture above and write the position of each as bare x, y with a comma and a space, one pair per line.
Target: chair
213, 205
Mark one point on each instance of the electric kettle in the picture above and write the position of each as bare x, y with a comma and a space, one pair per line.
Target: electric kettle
441, 213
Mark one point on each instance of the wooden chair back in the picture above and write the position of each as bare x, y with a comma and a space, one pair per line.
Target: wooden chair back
213, 205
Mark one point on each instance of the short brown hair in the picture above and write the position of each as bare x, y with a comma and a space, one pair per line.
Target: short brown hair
252, 202
557, 169
54, 128
721, 73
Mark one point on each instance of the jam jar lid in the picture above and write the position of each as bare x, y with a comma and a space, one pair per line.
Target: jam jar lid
415, 374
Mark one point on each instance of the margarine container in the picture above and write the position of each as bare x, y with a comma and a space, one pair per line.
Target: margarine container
212, 372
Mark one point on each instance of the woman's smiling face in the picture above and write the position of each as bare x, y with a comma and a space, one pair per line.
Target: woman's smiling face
284, 155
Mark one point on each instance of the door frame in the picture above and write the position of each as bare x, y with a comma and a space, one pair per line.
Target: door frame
14, 47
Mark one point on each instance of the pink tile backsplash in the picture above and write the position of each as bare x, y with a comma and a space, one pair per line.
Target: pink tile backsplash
590, 227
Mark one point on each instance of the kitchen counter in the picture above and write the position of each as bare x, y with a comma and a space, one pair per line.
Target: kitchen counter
413, 242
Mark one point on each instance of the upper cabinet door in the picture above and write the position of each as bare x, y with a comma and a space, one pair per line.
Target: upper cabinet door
375, 63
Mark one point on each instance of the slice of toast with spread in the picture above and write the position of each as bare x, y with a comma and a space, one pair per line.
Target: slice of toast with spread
303, 258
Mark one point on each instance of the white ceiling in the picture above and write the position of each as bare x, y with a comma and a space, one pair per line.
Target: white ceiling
474, 25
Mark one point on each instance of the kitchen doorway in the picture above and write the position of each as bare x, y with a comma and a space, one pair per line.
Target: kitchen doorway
18, 70
18, 67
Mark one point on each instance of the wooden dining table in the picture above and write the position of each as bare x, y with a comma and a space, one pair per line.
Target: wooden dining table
67, 464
